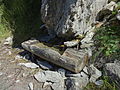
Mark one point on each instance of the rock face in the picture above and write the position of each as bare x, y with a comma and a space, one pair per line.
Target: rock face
68, 18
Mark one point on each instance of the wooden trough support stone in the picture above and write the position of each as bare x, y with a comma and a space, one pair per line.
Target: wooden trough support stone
71, 59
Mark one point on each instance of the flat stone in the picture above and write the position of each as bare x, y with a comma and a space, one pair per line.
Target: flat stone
71, 43
85, 69
73, 75
58, 86
29, 65
18, 57
8, 41
27, 56
81, 74
50, 76
17, 81
113, 71
94, 73
62, 72
31, 86
99, 82
88, 38
77, 83
44, 65
47, 84
1, 73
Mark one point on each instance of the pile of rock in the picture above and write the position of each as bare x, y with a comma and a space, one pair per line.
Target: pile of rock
61, 79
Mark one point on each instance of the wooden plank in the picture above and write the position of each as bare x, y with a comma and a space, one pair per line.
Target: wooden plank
71, 59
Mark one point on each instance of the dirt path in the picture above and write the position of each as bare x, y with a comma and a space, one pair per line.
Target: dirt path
13, 76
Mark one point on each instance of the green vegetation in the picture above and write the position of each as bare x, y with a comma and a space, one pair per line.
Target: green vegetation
22, 18
108, 40
107, 85
4, 32
108, 36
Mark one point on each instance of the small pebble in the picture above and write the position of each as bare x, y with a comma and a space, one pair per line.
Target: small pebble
29, 65
18, 57
62, 72
9, 53
1, 73
44, 65
17, 81
8, 41
25, 74
47, 84
85, 69
26, 57
31, 86
99, 82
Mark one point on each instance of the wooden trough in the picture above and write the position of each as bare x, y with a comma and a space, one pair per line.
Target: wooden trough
71, 59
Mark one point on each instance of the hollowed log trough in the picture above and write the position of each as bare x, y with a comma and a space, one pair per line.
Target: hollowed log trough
71, 59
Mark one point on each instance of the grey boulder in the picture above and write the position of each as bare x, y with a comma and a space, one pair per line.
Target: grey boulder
77, 81
113, 71
50, 76
94, 73
67, 18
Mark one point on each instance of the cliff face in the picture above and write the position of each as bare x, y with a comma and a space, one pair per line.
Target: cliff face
67, 18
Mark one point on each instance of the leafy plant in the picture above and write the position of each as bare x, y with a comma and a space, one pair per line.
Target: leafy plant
108, 40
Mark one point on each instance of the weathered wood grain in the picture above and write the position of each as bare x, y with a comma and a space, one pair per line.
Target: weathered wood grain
71, 59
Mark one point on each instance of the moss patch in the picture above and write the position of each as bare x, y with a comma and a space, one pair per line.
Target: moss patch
49, 46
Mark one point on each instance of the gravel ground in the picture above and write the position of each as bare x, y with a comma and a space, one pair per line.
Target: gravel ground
13, 76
